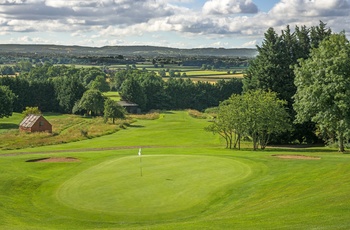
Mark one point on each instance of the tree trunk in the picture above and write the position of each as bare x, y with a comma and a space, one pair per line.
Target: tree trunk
341, 142
255, 141
238, 142
227, 140
230, 136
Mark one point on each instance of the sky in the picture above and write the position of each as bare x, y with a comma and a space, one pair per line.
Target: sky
168, 23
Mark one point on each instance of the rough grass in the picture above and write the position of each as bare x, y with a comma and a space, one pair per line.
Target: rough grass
148, 116
222, 189
66, 128
197, 114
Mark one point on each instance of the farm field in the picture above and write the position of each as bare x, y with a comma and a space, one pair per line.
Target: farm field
185, 179
195, 73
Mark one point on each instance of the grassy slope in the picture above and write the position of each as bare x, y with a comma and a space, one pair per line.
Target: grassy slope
273, 194
66, 128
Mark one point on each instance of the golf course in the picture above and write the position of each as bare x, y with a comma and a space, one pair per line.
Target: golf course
169, 173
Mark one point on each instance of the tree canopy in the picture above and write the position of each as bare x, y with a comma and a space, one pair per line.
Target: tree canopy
7, 98
132, 91
113, 110
272, 68
92, 102
323, 88
255, 114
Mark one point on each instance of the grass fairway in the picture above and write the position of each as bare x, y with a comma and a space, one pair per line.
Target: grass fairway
189, 181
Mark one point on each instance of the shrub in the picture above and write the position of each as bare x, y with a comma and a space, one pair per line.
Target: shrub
197, 114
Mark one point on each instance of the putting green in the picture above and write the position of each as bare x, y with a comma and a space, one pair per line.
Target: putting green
170, 186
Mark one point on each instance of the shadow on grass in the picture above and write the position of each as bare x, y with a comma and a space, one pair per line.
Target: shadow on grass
294, 148
8, 126
299, 150
135, 126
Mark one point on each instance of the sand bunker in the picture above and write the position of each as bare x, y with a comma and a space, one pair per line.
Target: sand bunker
301, 157
55, 159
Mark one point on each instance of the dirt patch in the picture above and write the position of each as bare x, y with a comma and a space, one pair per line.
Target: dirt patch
55, 159
301, 157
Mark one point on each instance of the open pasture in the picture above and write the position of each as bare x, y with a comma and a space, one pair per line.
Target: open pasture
188, 181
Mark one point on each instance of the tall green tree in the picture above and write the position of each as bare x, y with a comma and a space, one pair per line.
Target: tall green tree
92, 102
323, 88
255, 114
153, 86
87, 75
68, 91
229, 122
100, 84
113, 110
7, 98
20, 87
319, 33
132, 91
272, 68
264, 115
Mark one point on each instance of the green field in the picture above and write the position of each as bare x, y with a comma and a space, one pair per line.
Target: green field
195, 73
112, 95
185, 179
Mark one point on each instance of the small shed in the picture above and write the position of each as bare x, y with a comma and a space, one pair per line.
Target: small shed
130, 107
35, 123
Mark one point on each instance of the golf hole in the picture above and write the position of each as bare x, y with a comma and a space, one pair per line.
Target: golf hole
168, 184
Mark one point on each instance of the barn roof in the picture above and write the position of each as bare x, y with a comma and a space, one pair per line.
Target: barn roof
29, 120
127, 104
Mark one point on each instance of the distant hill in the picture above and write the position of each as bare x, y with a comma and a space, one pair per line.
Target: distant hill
145, 51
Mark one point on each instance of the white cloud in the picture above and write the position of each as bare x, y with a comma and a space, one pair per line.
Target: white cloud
102, 22
250, 44
224, 7
311, 8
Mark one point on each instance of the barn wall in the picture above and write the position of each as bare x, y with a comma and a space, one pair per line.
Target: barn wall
41, 125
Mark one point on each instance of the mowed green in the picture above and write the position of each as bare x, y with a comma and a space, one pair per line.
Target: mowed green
189, 181
152, 187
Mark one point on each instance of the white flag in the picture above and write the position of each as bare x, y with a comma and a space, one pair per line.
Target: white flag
139, 151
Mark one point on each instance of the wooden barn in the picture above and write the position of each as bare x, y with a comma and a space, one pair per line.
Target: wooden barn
35, 123
130, 107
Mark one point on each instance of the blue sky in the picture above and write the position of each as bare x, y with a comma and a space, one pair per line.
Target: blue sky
170, 23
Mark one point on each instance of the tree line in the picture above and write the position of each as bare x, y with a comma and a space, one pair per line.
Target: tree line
308, 72
150, 91
67, 89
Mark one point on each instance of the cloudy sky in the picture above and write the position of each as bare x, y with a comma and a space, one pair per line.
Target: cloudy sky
170, 23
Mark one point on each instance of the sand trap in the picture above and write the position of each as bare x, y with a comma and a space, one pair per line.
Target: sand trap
55, 159
301, 157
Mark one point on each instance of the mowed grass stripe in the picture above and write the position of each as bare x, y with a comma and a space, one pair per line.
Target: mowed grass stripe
169, 184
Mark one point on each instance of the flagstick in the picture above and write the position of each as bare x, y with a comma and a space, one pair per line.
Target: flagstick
141, 165
140, 161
